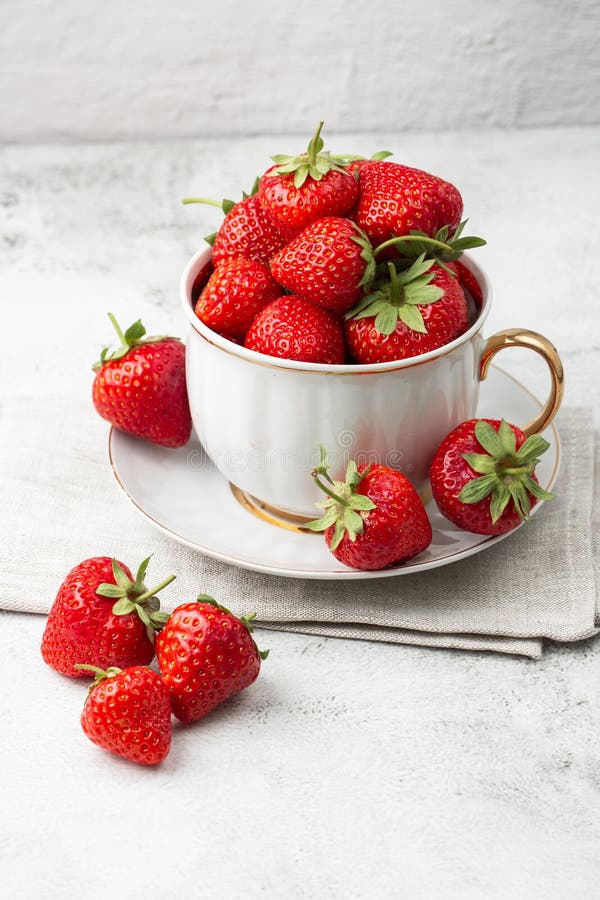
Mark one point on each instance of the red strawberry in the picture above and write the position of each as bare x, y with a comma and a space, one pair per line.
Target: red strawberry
86, 625
410, 313
357, 162
236, 291
331, 263
294, 328
206, 655
483, 476
373, 519
129, 713
140, 388
469, 282
299, 189
247, 230
396, 199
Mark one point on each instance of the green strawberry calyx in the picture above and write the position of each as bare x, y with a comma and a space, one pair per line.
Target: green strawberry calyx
344, 506
245, 620
367, 254
398, 297
100, 675
315, 163
443, 247
225, 205
134, 336
504, 472
134, 597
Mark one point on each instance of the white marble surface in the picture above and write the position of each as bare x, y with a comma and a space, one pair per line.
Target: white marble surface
350, 770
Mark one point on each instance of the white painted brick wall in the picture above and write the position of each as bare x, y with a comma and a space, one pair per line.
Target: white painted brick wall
112, 69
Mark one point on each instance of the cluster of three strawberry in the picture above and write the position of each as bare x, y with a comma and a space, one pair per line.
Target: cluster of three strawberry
105, 623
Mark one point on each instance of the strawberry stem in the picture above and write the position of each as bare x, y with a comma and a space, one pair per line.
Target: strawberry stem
409, 237
312, 147
202, 200
155, 590
326, 490
117, 328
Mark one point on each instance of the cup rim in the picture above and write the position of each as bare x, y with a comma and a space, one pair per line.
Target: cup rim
203, 256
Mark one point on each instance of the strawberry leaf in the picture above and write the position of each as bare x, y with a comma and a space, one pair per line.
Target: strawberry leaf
338, 534
477, 489
507, 437
123, 607
110, 590
480, 462
499, 502
534, 447
412, 318
387, 319
489, 439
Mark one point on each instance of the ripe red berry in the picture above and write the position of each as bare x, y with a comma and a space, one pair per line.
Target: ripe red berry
483, 476
247, 230
331, 263
294, 328
297, 190
129, 713
102, 617
373, 519
236, 291
206, 654
141, 389
407, 314
395, 199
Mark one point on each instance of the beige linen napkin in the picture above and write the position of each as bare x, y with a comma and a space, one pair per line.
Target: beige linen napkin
60, 504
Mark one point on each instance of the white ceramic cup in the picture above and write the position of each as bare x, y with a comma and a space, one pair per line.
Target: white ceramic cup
261, 419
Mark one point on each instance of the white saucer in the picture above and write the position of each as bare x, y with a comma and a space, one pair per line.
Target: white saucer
183, 495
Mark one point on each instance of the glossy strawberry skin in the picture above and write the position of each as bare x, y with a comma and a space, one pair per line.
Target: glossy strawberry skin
294, 328
468, 281
130, 715
450, 472
323, 264
396, 199
205, 656
395, 531
82, 627
144, 393
445, 320
236, 291
248, 231
295, 208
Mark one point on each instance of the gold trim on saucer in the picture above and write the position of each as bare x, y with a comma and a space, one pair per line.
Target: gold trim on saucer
289, 521
271, 514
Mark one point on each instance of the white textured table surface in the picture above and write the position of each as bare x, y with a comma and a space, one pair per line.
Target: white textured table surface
350, 769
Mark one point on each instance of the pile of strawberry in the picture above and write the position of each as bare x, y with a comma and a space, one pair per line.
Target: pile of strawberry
338, 259
107, 624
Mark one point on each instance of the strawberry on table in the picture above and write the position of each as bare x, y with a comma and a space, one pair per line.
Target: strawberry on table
396, 199
247, 229
128, 712
236, 291
331, 263
299, 189
140, 387
372, 519
206, 654
483, 476
407, 314
294, 328
102, 617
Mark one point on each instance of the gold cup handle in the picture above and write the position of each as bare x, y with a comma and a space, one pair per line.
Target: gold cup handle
519, 337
